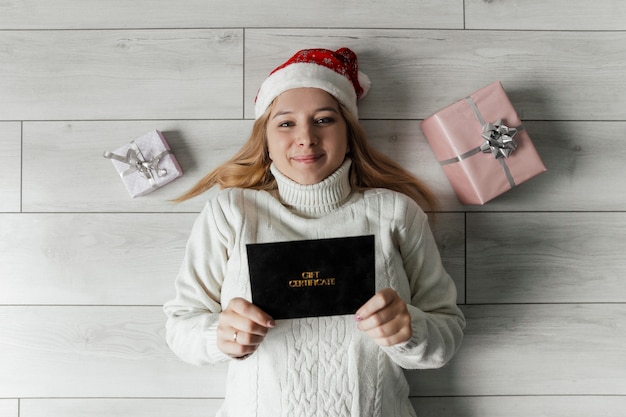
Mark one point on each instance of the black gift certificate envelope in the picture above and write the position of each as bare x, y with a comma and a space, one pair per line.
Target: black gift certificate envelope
312, 278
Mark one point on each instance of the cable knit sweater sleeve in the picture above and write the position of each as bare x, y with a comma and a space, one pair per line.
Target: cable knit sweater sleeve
437, 322
193, 314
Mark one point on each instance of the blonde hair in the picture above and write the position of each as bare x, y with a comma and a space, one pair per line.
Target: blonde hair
249, 167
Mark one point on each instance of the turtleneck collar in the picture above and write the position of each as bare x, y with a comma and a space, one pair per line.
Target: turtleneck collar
315, 200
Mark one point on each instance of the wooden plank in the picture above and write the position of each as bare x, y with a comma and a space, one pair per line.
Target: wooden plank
521, 406
110, 259
415, 73
9, 408
10, 166
545, 15
96, 407
77, 14
449, 232
73, 152
120, 352
546, 257
124, 259
581, 175
69, 352
534, 350
121, 74
576, 165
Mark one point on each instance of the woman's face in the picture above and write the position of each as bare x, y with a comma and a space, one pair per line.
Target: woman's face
307, 136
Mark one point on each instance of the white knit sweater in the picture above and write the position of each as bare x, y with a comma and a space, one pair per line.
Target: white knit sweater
316, 366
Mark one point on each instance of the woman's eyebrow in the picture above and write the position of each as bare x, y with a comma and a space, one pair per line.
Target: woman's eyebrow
282, 113
321, 109
332, 109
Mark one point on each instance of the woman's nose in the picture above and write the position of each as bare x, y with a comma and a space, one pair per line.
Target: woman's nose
306, 135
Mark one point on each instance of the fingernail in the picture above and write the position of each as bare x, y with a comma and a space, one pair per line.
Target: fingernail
271, 323
358, 317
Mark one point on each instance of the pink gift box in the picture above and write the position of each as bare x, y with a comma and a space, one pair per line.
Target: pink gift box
482, 146
145, 164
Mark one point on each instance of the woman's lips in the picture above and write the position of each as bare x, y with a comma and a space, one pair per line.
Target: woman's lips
307, 158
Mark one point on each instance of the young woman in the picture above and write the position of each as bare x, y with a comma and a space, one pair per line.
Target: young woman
307, 172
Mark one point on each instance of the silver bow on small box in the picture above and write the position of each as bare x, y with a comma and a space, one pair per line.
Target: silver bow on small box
145, 164
498, 139
136, 162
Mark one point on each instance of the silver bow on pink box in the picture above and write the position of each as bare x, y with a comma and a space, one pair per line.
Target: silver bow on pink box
498, 139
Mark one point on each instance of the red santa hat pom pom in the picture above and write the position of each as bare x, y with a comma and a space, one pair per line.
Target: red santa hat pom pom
336, 72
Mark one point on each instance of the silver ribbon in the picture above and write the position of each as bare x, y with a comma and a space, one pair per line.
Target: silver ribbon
137, 163
497, 140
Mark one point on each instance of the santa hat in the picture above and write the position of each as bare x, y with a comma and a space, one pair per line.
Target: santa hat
336, 72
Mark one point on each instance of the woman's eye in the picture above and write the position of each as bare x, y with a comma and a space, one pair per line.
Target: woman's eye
284, 124
324, 120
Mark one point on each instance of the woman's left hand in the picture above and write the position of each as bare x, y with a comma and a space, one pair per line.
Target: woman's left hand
385, 318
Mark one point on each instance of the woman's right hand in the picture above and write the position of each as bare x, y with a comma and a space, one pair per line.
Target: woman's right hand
241, 328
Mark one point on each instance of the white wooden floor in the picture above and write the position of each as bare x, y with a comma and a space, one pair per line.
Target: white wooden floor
84, 269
